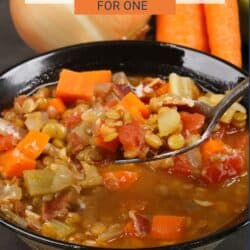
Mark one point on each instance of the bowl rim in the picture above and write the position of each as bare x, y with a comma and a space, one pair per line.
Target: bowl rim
210, 238
121, 42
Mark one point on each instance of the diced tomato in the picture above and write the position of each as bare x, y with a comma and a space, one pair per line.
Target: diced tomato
110, 146
164, 89
225, 129
131, 137
181, 168
223, 168
20, 99
72, 120
121, 90
241, 141
75, 142
19, 208
55, 208
192, 122
119, 180
7, 142
219, 133
129, 229
110, 103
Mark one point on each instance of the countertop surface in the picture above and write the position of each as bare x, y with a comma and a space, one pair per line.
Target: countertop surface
13, 51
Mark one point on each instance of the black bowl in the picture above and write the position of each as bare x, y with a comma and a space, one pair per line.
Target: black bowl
133, 57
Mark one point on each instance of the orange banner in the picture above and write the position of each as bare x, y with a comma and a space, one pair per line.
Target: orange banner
124, 7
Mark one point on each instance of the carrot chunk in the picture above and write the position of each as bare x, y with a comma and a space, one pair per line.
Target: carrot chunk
13, 163
137, 109
80, 85
7, 142
165, 227
33, 144
163, 89
57, 104
211, 147
119, 180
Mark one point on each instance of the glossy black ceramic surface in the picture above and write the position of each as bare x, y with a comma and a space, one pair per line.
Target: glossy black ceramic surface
140, 58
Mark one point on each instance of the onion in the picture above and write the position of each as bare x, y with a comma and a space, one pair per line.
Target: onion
35, 121
102, 89
183, 87
33, 219
113, 232
92, 177
48, 180
57, 229
120, 78
50, 27
120, 90
15, 218
7, 128
10, 192
194, 157
63, 177
82, 131
53, 151
204, 203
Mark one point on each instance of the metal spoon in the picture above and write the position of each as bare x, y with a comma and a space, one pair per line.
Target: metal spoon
213, 115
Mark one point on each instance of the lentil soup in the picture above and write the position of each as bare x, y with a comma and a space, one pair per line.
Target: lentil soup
57, 148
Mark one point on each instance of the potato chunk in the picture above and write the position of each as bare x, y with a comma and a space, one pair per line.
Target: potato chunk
169, 121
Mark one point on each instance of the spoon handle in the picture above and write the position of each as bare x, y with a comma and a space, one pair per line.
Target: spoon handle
232, 96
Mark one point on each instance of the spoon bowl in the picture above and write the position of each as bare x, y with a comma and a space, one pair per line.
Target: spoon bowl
212, 114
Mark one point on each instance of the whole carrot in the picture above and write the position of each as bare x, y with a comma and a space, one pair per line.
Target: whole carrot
223, 30
186, 27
